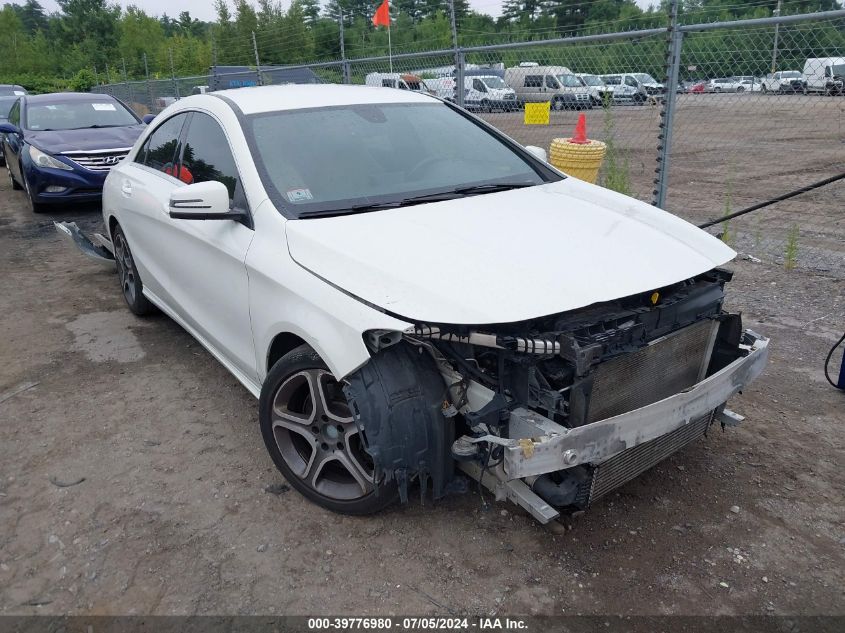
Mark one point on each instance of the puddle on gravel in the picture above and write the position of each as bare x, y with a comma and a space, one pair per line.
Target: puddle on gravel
106, 336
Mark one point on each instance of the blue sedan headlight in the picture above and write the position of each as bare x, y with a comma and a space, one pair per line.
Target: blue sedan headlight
45, 160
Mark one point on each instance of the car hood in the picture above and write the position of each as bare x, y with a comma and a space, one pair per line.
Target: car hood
505, 257
56, 142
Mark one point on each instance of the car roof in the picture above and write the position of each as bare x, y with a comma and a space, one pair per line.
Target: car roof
258, 99
64, 97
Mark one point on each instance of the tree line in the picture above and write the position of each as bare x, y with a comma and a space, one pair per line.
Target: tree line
92, 41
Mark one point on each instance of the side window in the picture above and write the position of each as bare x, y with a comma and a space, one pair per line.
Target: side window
551, 82
477, 84
160, 149
207, 157
534, 81
630, 81
388, 83
15, 114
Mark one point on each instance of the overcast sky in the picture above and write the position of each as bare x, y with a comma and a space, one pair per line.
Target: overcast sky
204, 9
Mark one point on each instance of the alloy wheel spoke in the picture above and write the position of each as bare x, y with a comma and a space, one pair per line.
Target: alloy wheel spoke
321, 379
283, 397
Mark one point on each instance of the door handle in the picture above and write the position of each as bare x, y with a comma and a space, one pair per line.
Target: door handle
126, 188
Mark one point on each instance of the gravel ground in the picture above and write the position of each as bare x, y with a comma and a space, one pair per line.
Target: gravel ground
133, 480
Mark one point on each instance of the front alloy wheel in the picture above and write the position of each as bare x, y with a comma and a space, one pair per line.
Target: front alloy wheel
313, 439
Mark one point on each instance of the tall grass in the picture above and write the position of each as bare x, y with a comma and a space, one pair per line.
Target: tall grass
617, 172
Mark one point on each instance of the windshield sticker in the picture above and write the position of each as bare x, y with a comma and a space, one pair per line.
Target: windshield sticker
299, 195
19, 93
109, 107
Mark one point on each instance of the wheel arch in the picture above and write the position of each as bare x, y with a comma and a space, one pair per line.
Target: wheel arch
281, 344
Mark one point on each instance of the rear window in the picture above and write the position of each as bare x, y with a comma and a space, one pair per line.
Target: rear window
6, 104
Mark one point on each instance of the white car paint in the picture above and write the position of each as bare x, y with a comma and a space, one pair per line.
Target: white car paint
491, 258
491, 251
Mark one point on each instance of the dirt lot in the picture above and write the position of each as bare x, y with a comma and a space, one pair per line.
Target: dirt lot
172, 516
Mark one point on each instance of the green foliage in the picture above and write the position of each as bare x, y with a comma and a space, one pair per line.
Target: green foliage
49, 50
791, 252
727, 236
83, 81
616, 172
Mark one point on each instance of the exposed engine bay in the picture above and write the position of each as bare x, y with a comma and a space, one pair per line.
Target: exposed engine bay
557, 411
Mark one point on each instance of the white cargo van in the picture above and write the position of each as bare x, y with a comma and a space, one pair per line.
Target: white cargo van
556, 84
488, 93
402, 81
825, 75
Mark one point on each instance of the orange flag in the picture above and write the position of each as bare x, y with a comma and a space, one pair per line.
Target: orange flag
382, 15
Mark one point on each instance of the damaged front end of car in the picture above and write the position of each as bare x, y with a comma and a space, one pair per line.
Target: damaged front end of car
555, 412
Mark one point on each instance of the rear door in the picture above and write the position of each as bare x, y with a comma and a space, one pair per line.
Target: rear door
205, 258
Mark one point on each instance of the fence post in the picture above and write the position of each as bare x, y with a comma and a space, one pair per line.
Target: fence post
459, 58
667, 112
173, 74
126, 80
149, 86
257, 62
344, 64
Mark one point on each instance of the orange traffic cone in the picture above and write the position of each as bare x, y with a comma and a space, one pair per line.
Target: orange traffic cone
580, 137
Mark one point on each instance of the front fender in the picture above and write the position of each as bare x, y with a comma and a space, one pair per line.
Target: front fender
284, 297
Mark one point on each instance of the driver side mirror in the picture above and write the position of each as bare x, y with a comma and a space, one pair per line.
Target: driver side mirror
148, 118
203, 201
537, 152
9, 128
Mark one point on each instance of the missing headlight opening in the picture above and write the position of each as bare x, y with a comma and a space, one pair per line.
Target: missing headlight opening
555, 412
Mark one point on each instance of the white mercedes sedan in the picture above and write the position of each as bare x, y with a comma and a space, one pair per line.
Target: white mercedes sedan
417, 300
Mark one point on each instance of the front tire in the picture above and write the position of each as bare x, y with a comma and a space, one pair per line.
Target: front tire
558, 104
127, 273
314, 441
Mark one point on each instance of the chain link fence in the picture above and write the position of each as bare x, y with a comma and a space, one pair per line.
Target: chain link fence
703, 119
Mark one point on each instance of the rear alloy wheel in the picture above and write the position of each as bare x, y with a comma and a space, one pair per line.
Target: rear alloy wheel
558, 104
127, 273
12, 182
313, 439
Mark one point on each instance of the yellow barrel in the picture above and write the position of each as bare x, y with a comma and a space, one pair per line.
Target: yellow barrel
582, 160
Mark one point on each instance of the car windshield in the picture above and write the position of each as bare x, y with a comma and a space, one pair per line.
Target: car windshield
838, 70
494, 83
6, 104
570, 81
336, 158
76, 114
645, 78
790, 74
614, 80
591, 80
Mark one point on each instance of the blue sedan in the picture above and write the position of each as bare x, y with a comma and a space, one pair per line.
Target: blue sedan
60, 147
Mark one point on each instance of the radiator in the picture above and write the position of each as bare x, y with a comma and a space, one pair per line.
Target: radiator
628, 464
662, 368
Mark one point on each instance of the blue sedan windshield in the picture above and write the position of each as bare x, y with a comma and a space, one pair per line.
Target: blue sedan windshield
75, 115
